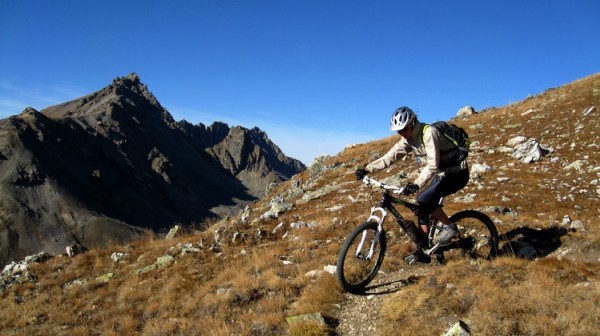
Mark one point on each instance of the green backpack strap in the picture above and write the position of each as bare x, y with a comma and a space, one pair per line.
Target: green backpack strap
415, 150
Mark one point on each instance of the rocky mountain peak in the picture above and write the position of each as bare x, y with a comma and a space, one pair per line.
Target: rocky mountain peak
110, 164
125, 98
131, 79
29, 111
130, 87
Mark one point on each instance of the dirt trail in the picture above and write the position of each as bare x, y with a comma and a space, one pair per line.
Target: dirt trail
360, 313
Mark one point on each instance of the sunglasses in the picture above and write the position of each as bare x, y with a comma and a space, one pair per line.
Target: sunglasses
403, 130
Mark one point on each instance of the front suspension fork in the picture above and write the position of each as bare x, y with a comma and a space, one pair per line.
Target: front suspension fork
379, 219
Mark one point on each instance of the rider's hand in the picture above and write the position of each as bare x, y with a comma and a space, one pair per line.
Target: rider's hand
410, 189
360, 173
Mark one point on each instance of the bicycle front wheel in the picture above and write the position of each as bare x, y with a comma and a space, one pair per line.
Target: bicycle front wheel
478, 234
360, 257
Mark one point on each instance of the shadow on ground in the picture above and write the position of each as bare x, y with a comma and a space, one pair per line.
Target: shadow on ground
390, 287
529, 243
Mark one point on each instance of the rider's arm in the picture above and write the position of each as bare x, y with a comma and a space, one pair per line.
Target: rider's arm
431, 141
398, 151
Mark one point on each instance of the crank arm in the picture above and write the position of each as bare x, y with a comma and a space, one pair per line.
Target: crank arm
432, 250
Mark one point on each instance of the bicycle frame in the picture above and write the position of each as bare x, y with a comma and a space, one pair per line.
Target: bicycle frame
387, 203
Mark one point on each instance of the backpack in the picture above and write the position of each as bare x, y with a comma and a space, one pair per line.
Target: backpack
457, 135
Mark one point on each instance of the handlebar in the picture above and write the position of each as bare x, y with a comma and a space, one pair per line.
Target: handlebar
394, 189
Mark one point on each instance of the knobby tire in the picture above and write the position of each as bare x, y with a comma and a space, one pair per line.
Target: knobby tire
354, 272
479, 236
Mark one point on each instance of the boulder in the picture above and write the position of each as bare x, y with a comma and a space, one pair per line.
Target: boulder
529, 151
465, 112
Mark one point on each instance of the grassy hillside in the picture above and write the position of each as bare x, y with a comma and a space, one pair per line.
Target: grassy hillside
246, 275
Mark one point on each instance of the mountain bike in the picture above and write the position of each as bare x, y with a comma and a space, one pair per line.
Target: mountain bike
362, 253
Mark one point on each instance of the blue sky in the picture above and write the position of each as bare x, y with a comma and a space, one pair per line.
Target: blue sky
315, 75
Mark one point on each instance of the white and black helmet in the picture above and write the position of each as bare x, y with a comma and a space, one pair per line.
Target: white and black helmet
402, 117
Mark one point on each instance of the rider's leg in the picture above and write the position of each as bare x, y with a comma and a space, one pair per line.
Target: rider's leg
428, 199
441, 216
449, 229
420, 241
415, 235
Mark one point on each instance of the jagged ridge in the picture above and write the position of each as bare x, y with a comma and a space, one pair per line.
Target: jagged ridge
107, 165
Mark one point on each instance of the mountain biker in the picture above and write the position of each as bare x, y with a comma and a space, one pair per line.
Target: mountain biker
440, 176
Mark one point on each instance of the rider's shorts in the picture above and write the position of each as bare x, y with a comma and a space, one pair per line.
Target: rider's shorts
440, 186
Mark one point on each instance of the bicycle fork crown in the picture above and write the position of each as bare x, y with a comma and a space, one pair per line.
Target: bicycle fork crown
379, 219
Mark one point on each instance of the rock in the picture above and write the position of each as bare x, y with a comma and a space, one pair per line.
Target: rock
589, 110
144, 269
313, 274
458, 329
19, 271
576, 165
245, 214
69, 250
468, 198
278, 206
277, 228
318, 166
529, 151
183, 249
528, 112
465, 112
238, 237
330, 269
73, 250
76, 282
301, 224
505, 149
314, 317
335, 208
500, 210
165, 260
161, 262
106, 277
295, 189
38, 257
480, 168
15, 268
318, 193
176, 231
516, 141
118, 256
161, 165
577, 225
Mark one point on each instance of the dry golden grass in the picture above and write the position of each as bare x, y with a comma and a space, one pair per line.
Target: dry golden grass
250, 286
505, 297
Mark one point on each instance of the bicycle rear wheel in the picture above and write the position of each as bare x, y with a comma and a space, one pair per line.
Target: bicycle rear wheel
355, 269
478, 235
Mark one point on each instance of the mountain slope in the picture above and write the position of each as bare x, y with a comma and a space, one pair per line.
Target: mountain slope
248, 154
248, 274
109, 165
